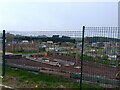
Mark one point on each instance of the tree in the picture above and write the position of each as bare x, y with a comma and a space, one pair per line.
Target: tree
9, 37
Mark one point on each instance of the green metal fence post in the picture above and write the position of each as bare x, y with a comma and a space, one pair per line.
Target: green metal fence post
3, 54
82, 58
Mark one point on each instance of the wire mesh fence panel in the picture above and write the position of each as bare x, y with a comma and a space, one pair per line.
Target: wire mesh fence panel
59, 53
50, 52
101, 49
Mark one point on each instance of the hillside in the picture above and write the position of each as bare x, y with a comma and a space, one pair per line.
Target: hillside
101, 39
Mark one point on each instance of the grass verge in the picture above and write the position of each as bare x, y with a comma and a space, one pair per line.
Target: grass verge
18, 78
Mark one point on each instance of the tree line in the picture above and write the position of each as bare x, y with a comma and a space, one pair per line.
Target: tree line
54, 38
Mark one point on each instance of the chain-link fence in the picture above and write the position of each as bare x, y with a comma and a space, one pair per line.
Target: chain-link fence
101, 51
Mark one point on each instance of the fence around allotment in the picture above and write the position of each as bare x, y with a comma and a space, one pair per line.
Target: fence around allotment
101, 51
51, 52
59, 52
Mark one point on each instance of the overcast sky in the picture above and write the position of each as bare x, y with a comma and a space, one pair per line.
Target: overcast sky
30, 15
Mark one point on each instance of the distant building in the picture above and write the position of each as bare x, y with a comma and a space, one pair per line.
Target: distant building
110, 48
25, 41
49, 42
23, 46
97, 44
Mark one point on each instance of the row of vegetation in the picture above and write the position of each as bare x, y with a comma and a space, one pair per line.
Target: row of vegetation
101, 39
97, 59
54, 38
41, 50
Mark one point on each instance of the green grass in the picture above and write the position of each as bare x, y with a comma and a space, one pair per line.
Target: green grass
92, 59
105, 62
20, 78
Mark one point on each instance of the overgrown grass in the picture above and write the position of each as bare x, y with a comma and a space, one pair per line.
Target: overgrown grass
18, 78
